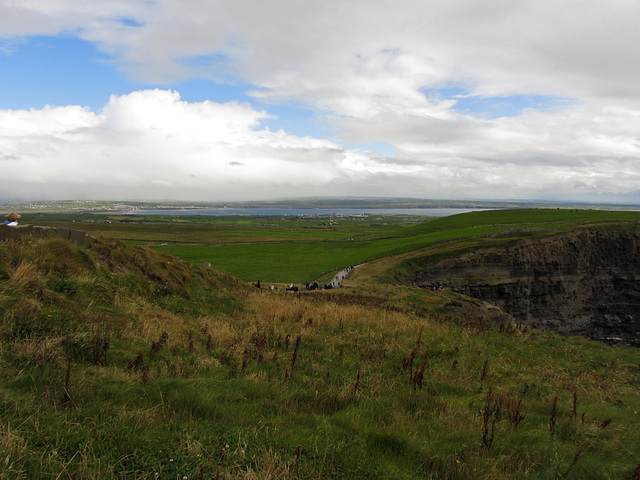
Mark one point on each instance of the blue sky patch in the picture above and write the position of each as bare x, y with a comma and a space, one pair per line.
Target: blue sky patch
131, 22
59, 70
495, 107
294, 119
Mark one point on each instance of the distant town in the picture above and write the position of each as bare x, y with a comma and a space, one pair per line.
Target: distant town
95, 206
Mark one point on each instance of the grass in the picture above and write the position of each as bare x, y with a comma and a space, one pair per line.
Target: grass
123, 362
303, 261
298, 249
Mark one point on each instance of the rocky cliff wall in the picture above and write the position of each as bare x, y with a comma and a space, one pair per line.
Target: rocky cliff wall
581, 283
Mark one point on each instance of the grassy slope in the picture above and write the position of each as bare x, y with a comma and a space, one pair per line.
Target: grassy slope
119, 362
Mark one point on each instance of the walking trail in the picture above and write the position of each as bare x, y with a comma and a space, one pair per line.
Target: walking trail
336, 281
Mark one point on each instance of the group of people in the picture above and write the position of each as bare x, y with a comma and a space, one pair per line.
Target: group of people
258, 284
334, 283
433, 288
12, 220
311, 286
290, 288
294, 288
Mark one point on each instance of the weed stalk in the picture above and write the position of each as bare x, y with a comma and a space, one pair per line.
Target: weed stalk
67, 379
294, 356
576, 457
553, 416
483, 375
489, 413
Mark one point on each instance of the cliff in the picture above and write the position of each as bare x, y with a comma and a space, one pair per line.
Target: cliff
581, 283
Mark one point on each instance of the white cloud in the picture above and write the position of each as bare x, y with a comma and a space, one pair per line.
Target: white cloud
151, 144
364, 67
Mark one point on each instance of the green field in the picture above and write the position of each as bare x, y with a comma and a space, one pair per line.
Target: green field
296, 260
283, 249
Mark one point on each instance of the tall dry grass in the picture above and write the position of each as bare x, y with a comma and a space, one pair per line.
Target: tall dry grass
14, 447
274, 309
27, 277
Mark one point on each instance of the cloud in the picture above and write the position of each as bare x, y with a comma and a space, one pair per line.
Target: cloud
151, 144
320, 51
424, 77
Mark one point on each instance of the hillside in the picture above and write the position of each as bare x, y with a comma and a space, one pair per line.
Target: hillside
122, 362
564, 271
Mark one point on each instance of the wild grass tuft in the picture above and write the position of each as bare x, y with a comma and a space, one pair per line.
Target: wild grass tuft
27, 278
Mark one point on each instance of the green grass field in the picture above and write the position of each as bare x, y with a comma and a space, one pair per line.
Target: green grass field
299, 249
297, 261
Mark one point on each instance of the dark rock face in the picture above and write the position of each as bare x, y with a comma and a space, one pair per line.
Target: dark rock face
581, 283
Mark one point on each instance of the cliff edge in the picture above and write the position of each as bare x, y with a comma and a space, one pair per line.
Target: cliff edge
580, 283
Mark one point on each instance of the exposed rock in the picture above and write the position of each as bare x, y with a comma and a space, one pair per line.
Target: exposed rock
11, 233
581, 283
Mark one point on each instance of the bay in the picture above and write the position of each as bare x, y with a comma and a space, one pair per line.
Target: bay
424, 212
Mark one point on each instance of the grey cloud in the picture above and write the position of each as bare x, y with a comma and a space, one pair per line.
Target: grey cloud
495, 47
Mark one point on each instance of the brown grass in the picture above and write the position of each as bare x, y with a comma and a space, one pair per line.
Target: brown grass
26, 277
38, 352
13, 447
286, 308
150, 321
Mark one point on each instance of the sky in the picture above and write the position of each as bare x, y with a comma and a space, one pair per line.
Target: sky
231, 100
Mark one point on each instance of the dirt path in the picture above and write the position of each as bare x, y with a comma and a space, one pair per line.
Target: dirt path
336, 281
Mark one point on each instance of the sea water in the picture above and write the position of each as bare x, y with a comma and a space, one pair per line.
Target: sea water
425, 212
